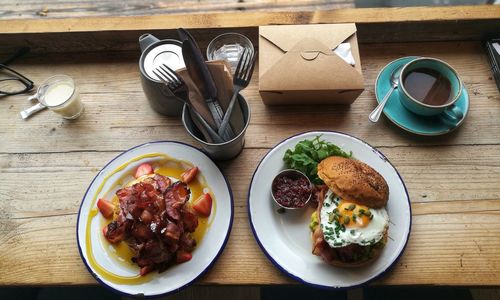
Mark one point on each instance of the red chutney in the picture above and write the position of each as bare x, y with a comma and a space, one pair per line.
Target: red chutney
291, 192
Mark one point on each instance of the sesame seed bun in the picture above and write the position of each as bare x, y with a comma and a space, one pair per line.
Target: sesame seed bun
354, 181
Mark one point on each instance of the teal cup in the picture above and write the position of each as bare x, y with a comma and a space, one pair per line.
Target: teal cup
448, 111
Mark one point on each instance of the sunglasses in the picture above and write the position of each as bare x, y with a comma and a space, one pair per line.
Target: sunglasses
11, 81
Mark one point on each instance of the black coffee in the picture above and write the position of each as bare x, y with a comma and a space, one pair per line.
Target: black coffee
428, 86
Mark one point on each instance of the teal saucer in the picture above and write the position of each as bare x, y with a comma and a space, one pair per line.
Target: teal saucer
399, 115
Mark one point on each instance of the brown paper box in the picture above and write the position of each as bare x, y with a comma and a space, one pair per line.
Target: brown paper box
297, 65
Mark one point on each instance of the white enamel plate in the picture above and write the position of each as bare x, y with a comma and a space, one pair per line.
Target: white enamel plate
285, 237
95, 251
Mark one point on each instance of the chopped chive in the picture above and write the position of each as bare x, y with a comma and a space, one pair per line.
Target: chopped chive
330, 218
371, 217
346, 220
361, 211
353, 231
354, 218
351, 207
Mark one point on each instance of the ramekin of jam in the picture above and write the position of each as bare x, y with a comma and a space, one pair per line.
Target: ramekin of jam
291, 189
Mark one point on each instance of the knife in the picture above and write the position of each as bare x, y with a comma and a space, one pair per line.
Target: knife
201, 76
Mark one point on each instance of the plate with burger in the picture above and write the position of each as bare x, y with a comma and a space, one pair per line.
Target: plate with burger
347, 228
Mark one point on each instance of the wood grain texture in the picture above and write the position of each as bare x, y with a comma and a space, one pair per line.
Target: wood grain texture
110, 88
46, 165
127, 40
35, 231
249, 19
33, 9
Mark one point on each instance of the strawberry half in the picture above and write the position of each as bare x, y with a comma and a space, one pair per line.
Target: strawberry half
143, 169
146, 269
203, 205
189, 175
106, 208
183, 256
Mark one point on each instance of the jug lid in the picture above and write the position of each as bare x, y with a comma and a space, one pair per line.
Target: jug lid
168, 52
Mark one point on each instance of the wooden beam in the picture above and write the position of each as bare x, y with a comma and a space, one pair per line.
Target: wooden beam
250, 19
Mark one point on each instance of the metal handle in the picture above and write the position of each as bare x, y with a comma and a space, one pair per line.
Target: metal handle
213, 135
147, 39
32, 110
229, 112
218, 114
375, 114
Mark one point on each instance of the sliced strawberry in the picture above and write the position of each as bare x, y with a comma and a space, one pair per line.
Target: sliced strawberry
189, 175
183, 256
105, 231
203, 205
143, 169
146, 269
106, 208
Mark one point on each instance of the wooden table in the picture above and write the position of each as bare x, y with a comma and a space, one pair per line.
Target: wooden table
46, 164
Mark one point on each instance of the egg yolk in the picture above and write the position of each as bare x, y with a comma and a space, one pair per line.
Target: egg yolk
353, 215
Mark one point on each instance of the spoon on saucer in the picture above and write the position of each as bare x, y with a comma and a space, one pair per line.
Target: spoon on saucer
375, 114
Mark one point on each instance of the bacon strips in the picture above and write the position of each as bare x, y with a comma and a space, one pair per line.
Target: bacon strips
156, 221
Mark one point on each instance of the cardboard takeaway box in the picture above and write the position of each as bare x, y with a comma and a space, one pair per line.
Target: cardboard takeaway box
297, 65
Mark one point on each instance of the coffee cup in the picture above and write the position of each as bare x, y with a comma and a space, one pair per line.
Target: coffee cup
431, 87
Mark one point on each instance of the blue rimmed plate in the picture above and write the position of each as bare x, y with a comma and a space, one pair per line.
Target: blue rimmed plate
403, 118
95, 251
285, 237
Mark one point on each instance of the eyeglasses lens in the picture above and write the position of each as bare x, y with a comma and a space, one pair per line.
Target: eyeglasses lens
12, 85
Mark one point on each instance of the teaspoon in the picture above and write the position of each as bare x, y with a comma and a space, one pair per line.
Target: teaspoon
375, 114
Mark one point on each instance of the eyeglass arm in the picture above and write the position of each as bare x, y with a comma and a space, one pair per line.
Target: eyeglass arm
14, 56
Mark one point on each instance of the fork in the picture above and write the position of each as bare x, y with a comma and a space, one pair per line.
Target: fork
177, 85
241, 79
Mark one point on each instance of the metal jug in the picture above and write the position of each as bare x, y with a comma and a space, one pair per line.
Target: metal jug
156, 52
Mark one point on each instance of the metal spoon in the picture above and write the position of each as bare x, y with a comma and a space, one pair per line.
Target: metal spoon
375, 114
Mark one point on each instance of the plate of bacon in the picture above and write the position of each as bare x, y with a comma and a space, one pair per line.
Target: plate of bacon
154, 219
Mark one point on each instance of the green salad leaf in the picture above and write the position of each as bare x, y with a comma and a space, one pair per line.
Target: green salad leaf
308, 153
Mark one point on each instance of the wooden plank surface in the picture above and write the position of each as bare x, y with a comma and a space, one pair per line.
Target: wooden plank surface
248, 19
32, 9
104, 77
46, 164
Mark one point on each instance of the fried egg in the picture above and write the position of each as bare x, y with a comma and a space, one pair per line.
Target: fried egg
344, 222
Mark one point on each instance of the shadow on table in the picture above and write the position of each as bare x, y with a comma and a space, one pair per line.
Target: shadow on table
57, 293
368, 293
290, 292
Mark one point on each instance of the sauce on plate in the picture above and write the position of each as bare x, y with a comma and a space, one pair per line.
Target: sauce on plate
121, 253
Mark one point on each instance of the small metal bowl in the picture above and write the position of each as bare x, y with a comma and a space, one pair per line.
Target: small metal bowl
294, 174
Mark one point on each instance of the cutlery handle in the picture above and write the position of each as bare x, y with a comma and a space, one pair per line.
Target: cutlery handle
213, 135
216, 111
375, 114
218, 114
229, 111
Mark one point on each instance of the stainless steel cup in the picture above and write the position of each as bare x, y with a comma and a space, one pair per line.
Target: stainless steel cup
156, 52
222, 151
